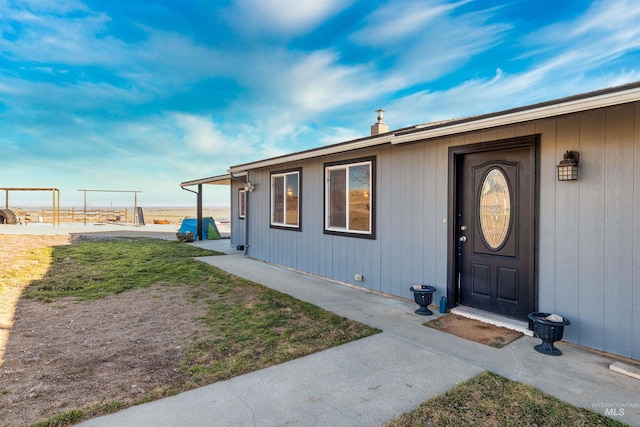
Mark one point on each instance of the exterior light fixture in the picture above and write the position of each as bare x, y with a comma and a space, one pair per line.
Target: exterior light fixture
248, 187
568, 166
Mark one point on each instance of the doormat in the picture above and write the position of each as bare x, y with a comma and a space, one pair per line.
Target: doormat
474, 330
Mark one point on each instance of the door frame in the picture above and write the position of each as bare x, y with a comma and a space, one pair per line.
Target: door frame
456, 155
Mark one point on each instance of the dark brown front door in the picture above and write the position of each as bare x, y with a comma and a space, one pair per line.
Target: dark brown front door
495, 230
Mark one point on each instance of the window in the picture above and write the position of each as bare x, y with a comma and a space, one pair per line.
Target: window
285, 199
495, 208
242, 203
349, 198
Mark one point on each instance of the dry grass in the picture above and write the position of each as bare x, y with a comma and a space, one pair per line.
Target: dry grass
491, 400
103, 325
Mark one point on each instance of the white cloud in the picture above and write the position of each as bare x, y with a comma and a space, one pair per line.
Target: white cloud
501, 92
580, 55
392, 23
200, 134
293, 91
620, 17
48, 35
572, 57
61, 97
335, 135
289, 17
607, 30
52, 6
152, 154
319, 83
158, 64
425, 42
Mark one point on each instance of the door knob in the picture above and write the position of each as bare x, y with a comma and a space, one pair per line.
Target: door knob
463, 238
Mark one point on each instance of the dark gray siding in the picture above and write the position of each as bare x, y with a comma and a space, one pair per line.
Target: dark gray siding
589, 230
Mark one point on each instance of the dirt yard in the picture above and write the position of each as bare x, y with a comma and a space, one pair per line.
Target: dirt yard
64, 355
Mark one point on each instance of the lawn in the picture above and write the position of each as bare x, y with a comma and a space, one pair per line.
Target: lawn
491, 400
241, 326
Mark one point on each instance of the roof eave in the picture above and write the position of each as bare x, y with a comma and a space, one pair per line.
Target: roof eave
594, 100
217, 180
583, 102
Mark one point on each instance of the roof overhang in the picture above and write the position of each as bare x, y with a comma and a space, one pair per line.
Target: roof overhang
574, 104
215, 180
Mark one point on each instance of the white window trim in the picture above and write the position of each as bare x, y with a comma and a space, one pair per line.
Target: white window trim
242, 204
284, 194
327, 202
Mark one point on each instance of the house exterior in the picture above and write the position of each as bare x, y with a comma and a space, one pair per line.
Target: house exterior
472, 207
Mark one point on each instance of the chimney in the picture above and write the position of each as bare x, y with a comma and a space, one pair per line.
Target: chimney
380, 126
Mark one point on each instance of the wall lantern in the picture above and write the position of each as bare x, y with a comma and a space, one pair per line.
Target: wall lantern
568, 167
248, 187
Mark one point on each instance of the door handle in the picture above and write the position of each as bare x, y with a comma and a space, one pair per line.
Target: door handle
463, 238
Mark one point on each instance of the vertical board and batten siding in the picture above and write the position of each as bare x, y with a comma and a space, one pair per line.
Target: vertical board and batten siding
547, 214
618, 242
590, 267
588, 247
567, 237
396, 254
587, 262
382, 273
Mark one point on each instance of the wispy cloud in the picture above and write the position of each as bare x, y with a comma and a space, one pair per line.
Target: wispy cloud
389, 25
573, 56
336, 135
281, 17
60, 34
608, 29
614, 17
426, 41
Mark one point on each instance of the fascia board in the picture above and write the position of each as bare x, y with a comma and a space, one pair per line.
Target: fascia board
575, 106
219, 179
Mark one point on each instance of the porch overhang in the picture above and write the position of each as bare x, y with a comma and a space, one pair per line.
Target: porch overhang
215, 180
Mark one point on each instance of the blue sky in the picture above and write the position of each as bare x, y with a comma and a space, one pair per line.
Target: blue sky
142, 95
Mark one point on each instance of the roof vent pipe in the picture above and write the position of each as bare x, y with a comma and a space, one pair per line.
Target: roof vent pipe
380, 126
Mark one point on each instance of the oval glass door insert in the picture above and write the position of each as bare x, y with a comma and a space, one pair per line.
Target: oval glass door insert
495, 208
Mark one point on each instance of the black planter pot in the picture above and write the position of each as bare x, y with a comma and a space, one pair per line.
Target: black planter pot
423, 296
548, 331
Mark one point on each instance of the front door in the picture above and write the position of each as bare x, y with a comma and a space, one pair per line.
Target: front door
496, 230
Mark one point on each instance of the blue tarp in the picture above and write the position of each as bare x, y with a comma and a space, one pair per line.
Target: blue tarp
191, 224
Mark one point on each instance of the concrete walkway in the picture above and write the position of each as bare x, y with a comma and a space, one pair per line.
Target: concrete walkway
369, 381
